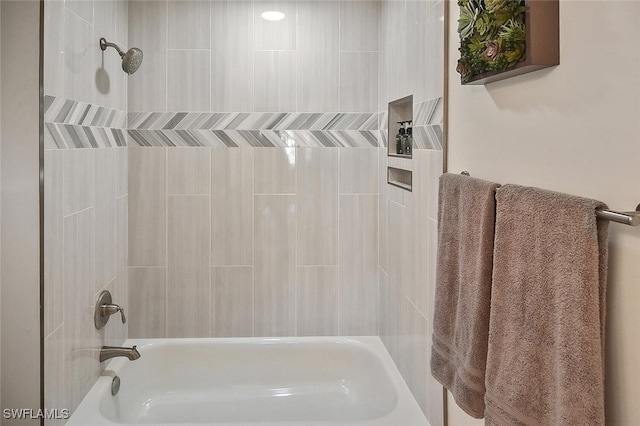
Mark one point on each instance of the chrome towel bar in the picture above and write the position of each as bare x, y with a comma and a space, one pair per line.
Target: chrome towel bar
626, 218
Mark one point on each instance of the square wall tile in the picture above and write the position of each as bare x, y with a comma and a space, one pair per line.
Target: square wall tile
188, 24
359, 81
188, 80
317, 300
232, 301
274, 81
275, 170
274, 35
189, 170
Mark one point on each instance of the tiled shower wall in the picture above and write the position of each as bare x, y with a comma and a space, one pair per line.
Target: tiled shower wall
222, 56
253, 241
254, 201
86, 203
413, 31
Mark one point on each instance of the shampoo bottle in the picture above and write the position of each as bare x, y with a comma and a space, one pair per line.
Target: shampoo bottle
409, 143
399, 136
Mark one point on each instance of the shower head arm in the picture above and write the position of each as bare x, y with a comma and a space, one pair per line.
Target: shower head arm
104, 44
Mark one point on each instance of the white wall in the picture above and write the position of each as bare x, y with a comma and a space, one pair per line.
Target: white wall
20, 244
573, 128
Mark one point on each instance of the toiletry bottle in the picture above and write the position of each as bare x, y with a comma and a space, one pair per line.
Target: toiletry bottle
405, 137
409, 143
399, 136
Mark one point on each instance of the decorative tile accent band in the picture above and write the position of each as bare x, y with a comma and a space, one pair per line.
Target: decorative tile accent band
252, 121
67, 136
66, 111
217, 129
427, 113
72, 124
256, 138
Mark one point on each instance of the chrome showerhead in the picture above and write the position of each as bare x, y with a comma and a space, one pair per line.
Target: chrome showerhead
131, 60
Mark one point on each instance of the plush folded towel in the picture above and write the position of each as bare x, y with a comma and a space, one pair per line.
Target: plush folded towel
546, 336
466, 218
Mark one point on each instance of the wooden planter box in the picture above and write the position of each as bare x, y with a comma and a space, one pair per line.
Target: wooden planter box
542, 43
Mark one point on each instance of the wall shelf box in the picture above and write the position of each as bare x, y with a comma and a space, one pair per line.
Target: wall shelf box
400, 178
399, 110
542, 46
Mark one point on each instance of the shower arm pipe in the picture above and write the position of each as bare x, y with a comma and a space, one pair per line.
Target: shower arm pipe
626, 218
104, 44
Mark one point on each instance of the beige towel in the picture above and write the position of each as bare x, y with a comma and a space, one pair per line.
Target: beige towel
545, 361
466, 217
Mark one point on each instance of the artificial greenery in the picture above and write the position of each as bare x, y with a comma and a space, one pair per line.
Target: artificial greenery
492, 36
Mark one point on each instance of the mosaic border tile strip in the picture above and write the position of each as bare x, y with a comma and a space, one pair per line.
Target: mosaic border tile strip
72, 124
252, 121
67, 136
66, 111
230, 130
428, 113
256, 138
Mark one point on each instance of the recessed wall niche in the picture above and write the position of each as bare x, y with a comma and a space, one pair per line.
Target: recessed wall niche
400, 115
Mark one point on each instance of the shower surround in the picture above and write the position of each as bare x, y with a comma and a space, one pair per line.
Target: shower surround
254, 205
251, 197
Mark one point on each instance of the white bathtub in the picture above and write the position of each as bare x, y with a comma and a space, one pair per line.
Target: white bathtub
253, 381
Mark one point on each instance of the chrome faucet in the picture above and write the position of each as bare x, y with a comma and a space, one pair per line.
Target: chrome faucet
108, 352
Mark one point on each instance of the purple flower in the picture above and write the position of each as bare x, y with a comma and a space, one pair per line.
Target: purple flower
493, 50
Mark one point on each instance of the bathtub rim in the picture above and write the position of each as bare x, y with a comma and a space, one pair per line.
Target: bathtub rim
406, 412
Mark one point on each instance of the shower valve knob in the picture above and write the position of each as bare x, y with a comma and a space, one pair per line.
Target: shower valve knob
110, 309
104, 309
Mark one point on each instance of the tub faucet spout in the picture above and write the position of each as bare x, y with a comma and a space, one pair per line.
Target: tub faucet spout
108, 352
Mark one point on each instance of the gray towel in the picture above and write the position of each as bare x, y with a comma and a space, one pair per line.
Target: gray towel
466, 218
546, 336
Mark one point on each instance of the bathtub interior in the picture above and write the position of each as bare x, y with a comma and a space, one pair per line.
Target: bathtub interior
319, 380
